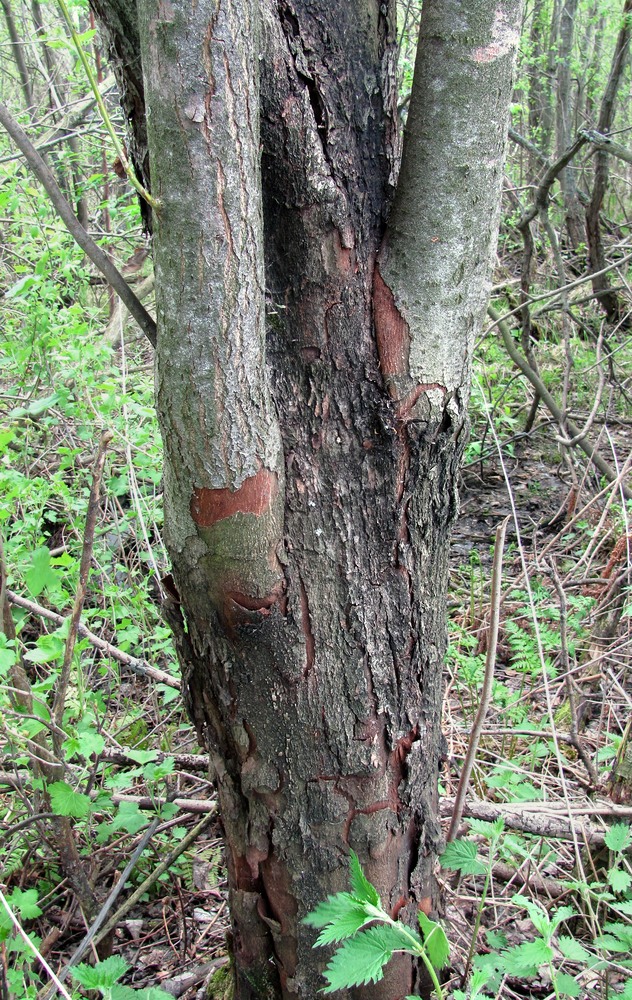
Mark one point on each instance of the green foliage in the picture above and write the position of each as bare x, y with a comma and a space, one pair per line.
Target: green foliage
370, 936
104, 977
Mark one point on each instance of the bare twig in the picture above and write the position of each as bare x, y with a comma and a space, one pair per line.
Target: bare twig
76, 230
486, 690
138, 666
583, 442
61, 687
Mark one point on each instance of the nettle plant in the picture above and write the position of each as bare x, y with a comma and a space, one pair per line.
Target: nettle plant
568, 960
599, 946
371, 937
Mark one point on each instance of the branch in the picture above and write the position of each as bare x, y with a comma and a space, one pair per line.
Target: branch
605, 143
582, 440
541, 199
488, 680
138, 666
76, 230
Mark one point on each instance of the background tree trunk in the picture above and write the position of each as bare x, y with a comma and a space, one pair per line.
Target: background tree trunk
311, 455
607, 298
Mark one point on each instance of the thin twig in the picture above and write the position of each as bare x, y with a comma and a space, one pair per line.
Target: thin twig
76, 230
61, 687
583, 442
138, 666
486, 690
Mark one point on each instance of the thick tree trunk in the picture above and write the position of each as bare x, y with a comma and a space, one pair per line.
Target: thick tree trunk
313, 432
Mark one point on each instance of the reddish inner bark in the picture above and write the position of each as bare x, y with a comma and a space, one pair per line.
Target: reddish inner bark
254, 496
391, 329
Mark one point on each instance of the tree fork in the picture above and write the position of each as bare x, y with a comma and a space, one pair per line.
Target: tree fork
311, 454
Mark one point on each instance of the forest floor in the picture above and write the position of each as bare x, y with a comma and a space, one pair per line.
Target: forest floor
543, 793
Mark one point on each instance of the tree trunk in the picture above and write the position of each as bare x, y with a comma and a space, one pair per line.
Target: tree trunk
565, 128
541, 116
313, 428
608, 299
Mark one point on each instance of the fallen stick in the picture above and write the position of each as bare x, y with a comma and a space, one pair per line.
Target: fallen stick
138, 666
544, 819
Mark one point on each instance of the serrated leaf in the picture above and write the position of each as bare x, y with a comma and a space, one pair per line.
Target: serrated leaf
129, 817
525, 959
486, 829
362, 958
567, 986
360, 885
344, 926
120, 992
331, 910
48, 649
101, 976
539, 916
436, 944
572, 949
619, 880
618, 837
24, 902
611, 943
561, 914
65, 801
461, 856
40, 574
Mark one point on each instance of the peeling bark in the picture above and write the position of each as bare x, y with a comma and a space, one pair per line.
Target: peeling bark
312, 452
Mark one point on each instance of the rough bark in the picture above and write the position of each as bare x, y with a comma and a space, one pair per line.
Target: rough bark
311, 454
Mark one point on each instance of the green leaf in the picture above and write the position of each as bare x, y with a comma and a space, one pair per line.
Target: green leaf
129, 817
567, 985
8, 655
539, 917
48, 649
142, 756
24, 901
461, 856
40, 575
496, 939
525, 959
486, 829
119, 992
362, 958
619, 880
334, 908
65, 801
38, 406
618, 837
84, 743
626, 993
436, 944
101, 976
572, 949
344, 926
21, 287
360, 885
